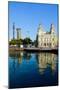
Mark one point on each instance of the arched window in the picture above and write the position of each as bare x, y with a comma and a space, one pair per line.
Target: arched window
44, 44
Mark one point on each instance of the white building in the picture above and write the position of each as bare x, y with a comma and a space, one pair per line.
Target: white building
47, 39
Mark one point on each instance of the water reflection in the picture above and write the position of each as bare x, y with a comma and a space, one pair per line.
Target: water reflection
26, 69
46, 60
27, 56
20, 56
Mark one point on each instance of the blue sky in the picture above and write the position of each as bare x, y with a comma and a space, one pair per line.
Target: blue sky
28, 16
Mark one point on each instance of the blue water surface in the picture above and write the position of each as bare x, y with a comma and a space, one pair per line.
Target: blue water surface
28, 69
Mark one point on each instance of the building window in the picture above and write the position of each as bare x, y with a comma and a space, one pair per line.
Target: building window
44, 44
41, 44
50, 44
53, 39
47, 44
53, 43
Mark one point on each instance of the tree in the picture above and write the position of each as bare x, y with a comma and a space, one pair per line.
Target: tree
16, 42
27, 41
12, 42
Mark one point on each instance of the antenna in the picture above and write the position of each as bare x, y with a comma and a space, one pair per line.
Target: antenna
13, 31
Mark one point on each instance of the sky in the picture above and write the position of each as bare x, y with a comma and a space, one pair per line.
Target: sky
28, 16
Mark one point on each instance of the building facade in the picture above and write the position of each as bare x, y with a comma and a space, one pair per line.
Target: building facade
47, 39
18, 33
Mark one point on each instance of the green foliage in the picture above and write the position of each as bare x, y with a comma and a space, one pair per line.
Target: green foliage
12, 42
15, 42
27, 41
20, 41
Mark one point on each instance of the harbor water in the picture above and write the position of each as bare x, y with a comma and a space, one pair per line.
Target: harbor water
32, 69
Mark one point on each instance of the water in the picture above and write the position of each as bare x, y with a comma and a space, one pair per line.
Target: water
32, 69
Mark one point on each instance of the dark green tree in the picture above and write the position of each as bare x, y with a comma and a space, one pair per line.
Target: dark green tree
27, 41
16, 42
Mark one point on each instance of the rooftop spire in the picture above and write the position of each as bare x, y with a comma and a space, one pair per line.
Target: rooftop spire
52, 29
40, 28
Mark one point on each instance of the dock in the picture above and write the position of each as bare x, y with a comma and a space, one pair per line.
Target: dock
34, 49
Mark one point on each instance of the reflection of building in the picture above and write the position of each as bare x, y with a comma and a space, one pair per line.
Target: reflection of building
16, 55
27, 56
45, 60
20, 57
47, 39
